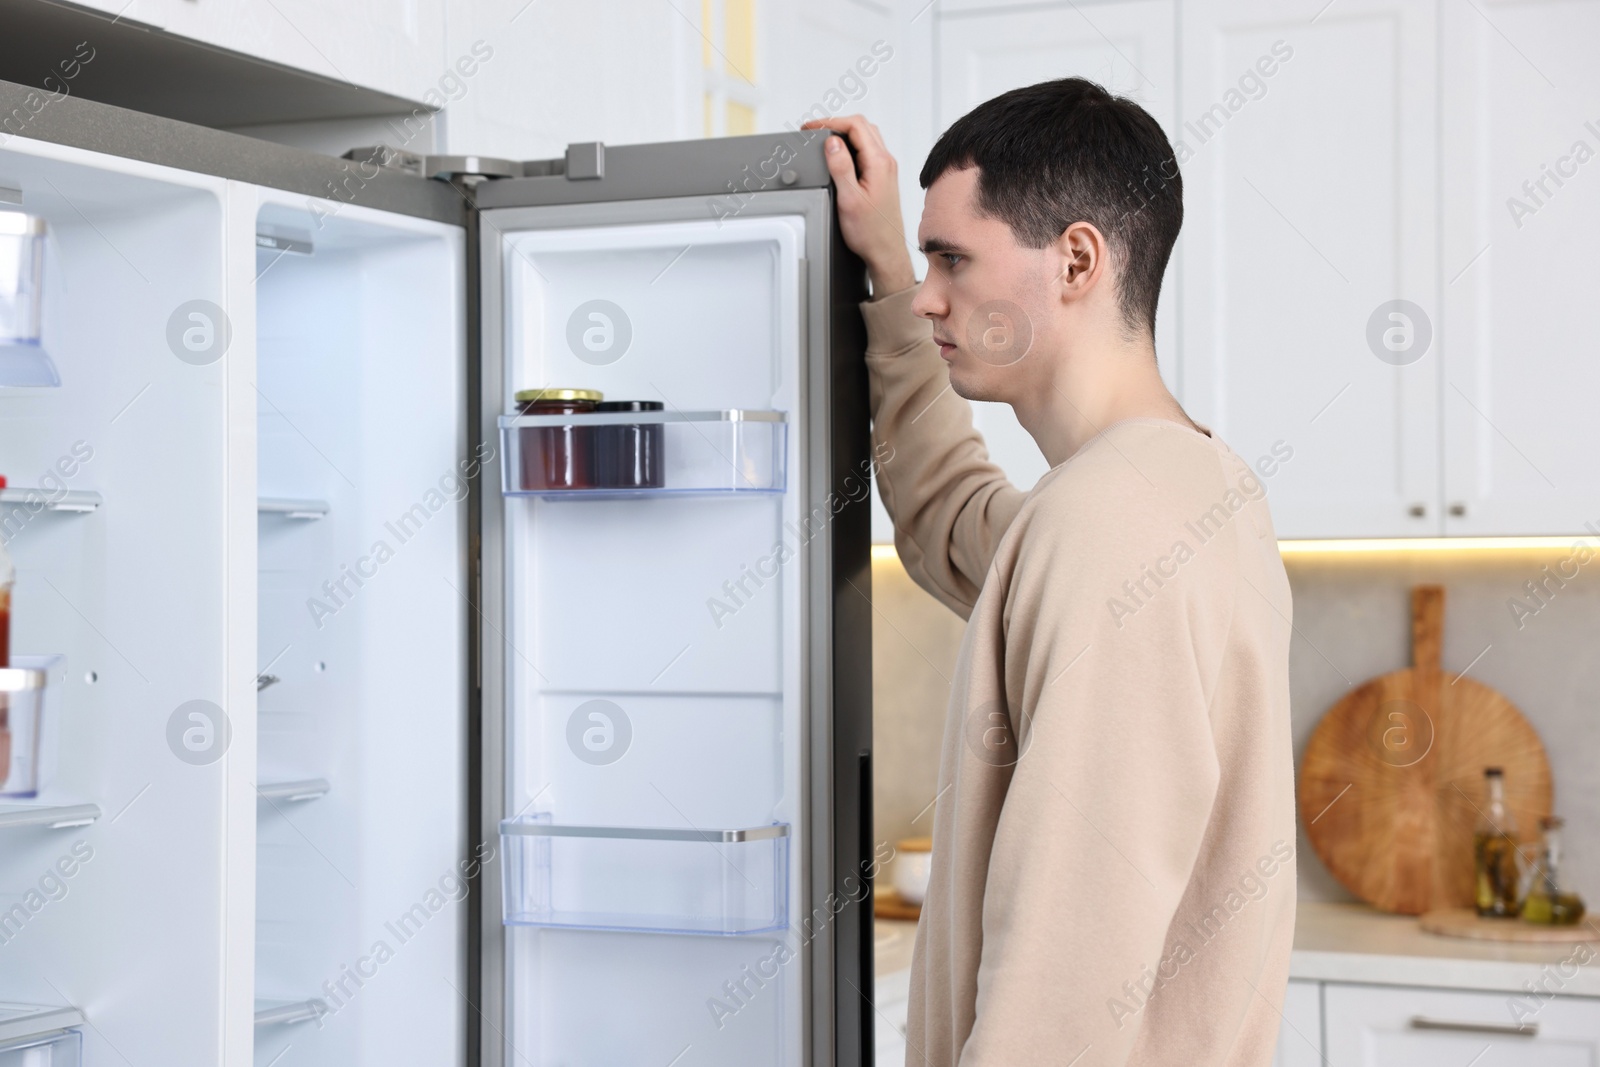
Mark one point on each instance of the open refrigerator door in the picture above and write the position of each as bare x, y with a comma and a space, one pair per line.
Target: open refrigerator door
660, 637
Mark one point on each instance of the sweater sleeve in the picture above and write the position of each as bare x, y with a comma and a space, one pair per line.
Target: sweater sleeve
1110, 798
949, 503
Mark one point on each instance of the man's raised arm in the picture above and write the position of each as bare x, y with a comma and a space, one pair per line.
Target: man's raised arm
949, 503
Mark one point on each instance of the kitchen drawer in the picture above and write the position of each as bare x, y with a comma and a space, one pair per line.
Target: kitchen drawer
1392, 1026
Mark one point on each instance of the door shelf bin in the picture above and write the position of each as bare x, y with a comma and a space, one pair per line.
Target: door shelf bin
605, 454
658, 880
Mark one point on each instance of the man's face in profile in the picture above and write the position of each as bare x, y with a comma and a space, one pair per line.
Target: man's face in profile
992, 301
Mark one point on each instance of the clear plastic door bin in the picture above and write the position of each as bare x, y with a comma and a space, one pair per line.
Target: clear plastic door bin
657, 879
699, 451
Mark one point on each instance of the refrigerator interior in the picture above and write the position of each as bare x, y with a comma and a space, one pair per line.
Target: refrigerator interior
653, 659
122, 917
362, 862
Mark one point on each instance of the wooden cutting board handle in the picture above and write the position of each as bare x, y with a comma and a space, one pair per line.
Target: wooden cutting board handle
1427, 628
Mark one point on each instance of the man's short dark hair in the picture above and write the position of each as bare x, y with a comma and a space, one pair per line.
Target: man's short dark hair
1068, 151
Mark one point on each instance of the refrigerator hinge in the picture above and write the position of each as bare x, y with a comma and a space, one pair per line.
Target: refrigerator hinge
453, 169
584, 161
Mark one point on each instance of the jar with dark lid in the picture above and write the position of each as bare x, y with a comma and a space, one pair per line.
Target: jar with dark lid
556, 457
629, 455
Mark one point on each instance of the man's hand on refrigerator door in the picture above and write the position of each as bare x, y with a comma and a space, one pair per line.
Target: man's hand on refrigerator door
868, 195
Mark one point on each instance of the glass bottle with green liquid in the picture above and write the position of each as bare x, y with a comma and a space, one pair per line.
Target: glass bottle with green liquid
1494, 850
1547, 903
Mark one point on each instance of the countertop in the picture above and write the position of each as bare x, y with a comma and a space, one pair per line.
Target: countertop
892, 942
1354, 943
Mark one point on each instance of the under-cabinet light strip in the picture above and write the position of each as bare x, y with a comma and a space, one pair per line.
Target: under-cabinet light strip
1356, 545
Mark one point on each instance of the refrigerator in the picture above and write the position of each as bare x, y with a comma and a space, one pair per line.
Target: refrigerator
384, 717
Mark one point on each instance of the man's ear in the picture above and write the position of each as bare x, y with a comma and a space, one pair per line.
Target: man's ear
1083, 255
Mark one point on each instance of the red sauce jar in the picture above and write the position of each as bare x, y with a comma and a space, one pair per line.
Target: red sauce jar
556, 457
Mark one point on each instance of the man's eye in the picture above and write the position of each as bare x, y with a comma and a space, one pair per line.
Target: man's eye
951, 258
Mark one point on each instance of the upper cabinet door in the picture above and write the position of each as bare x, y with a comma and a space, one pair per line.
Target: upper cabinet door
1308, 150
1521, 206
1127, 47
393, 46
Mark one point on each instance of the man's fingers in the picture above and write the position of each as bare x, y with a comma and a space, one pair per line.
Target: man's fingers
840, 165
872, 155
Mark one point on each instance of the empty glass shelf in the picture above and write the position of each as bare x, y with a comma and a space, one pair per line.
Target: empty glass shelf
656, 879
292, 507
50, 816
643, 453
300, 789
284, 1012
79, 500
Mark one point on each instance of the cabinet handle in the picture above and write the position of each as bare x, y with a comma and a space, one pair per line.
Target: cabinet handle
1419, 511
1458, 510
1530, 1029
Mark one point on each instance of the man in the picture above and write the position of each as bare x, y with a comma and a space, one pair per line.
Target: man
1113, 877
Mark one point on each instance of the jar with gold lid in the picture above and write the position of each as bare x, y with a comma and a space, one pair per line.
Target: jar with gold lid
556, 457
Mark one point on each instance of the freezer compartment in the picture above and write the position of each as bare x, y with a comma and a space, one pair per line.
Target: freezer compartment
650, 879
643, 452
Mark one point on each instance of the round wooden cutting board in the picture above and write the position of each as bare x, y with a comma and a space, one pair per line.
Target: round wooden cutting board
1464, 922
1391, 784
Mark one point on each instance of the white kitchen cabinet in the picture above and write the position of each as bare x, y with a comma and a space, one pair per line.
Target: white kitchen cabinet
980, 53
394, 46
1127, 47
1338, 159
618, 71
1308, 153
1521, 203
1390, 1026
1300, 1033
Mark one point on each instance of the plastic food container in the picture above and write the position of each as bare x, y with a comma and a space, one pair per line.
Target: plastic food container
35, 1036
61, 1049
556, 457
629, 455
23, 361
22, 693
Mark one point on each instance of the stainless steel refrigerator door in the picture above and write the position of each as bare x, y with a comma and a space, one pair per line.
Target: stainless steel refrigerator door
824, 974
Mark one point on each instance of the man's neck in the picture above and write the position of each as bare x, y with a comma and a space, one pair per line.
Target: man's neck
1091, 390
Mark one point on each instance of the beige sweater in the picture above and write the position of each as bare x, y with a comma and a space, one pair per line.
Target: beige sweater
1113, 877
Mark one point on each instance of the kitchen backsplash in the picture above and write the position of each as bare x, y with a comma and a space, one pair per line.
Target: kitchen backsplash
1352, 621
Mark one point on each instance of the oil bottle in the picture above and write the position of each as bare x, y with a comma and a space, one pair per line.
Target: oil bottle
1546, 903
1494, 848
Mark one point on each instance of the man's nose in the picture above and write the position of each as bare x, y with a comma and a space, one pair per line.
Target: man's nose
929, 302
